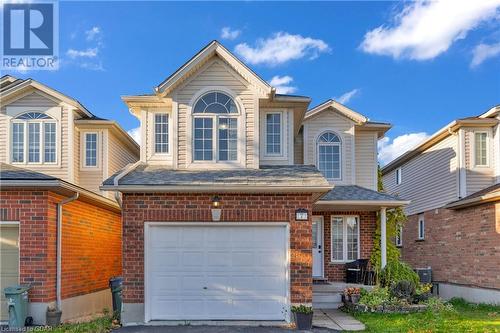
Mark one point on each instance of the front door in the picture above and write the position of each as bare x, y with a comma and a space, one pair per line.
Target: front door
317, 250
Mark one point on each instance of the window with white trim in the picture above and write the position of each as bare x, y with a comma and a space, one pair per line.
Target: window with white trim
215, 128
90, 160
421, 226
273, 133
329, 148
480, 148
33, 139
344, 238
161, 133
399, 235
399, 178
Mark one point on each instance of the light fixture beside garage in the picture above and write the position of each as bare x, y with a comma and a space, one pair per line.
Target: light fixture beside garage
216, 211
301, 214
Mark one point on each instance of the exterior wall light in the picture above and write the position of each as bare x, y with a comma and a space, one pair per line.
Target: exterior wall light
216, 210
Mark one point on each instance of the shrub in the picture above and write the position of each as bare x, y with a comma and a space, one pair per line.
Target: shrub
403, 290
377, 296
396, 271
302, 309
436, 304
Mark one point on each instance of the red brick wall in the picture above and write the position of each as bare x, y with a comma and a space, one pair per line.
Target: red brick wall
91, 248
138, 208
461, 246
367, 227
92, 233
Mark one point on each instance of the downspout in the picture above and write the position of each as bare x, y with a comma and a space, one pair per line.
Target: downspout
59, 246
122, 174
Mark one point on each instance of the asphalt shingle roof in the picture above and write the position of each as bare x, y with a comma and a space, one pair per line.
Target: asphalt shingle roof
292, 175
354, 192
9, 172
488, 190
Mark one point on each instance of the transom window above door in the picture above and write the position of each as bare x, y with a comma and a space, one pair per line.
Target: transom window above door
329, 155
215, 128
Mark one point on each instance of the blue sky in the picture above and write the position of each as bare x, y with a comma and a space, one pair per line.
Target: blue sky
415, 65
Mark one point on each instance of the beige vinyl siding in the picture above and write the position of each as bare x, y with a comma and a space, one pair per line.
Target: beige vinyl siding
214, 73
76, 155
478, 178
331, 121
35, 99
119, 155
298, 147
429, 180
89, 178
366, 159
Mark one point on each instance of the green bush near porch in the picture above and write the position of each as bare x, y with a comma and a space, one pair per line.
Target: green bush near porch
465, 317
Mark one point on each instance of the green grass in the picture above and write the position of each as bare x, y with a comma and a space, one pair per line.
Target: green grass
100, 325
466, 317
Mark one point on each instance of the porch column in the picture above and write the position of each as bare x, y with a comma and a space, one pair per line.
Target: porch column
383, 237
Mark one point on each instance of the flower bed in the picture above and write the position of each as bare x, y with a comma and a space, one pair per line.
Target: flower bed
401, 308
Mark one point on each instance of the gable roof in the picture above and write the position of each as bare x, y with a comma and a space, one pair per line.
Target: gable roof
491, 112
214, 47
20, 84
340, 108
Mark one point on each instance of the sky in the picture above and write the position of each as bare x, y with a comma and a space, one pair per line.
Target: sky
417, 65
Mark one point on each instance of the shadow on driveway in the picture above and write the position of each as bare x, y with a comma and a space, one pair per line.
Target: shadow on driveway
214, 329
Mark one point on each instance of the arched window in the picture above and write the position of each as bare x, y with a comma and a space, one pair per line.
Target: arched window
33, 138
215, 128
329, 155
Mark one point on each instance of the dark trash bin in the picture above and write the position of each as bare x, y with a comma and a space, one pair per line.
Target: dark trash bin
115, 284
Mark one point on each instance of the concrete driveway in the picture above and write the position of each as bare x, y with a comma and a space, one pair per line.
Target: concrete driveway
214, 329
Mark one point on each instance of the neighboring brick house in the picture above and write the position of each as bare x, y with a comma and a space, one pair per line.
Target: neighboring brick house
53, 149
452, 180
226, 215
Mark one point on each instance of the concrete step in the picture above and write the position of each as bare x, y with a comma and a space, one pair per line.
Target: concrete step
326, 305
327, 297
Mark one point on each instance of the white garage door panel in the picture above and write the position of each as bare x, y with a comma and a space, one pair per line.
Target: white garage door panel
217, 272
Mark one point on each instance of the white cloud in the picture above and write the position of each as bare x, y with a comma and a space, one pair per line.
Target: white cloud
388, 151
135, 133
93, 34
345, 98
281, 47
228, 33
483, 52
425, 29
88, 53
282, 84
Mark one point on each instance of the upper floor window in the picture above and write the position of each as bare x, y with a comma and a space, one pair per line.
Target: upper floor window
161, 133
215, 127
481, 148
90, 150
398, 176
273, 133
329, 155
33, 138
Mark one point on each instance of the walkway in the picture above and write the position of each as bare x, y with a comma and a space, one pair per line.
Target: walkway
336, 320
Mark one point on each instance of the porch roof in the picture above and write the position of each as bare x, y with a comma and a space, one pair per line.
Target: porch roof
354, 197
150, 178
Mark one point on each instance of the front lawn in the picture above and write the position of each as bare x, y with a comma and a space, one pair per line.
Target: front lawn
465, 317
100, 325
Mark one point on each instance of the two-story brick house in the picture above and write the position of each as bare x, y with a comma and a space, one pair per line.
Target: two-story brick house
226, 215
60, 233
452, 180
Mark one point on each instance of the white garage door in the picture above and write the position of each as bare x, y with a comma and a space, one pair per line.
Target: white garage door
223, 272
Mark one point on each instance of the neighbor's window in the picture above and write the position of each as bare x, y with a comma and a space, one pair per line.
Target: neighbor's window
481, 148
344, 238
215, 127
421, 226
33, 138
161, 133
399, 235
329, 155
273, 133
90, 150
398, 176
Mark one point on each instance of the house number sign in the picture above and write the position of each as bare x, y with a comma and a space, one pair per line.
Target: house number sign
301, 214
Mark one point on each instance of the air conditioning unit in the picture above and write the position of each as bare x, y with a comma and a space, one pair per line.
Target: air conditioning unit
425, 274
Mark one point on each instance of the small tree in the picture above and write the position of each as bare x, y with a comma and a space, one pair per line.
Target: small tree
395, 217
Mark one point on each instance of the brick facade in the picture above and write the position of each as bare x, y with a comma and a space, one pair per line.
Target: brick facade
141, 207
367, 227
461, 246
91, 243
